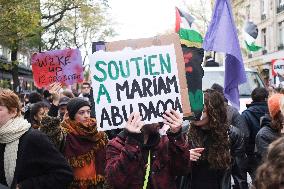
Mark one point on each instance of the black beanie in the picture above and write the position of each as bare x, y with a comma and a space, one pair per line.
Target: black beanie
74, 105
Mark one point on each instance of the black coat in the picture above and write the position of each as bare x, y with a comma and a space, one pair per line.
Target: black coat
39, 164
264, 137
3, 187
239, 158
235, 119
202, 177
252, 117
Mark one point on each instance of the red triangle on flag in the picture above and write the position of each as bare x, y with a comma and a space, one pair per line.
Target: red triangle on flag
178, 20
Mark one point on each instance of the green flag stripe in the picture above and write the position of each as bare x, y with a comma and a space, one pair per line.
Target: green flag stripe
252, 47
190, 43
190, 35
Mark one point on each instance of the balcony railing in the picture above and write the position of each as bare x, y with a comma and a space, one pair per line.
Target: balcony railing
280, 8
281, 47
263, 16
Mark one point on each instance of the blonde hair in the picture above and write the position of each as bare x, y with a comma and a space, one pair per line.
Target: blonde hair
10, 100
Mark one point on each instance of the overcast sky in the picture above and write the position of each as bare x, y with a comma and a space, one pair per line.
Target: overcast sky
143, 18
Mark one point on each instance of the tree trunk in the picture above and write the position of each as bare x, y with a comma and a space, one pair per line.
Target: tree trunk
15, 71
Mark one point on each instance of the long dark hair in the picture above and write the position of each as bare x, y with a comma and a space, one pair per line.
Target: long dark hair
35, 108
218, 151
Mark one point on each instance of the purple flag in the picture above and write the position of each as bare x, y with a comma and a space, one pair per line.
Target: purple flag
222, 36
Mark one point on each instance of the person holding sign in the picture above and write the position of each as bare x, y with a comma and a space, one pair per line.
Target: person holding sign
139, 157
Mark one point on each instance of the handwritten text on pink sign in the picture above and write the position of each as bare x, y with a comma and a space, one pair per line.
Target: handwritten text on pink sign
64, 66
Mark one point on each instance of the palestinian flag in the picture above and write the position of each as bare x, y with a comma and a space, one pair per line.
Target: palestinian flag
184, 27
251, 33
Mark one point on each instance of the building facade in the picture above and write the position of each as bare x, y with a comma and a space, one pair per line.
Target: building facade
24, 68
268, 15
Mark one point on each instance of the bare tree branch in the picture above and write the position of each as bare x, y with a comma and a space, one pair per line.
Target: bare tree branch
54, 39
75, 30
61, 14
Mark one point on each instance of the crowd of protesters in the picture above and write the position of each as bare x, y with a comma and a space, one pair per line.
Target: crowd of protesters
50, 140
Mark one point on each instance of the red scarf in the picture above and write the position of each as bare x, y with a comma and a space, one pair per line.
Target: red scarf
85, 152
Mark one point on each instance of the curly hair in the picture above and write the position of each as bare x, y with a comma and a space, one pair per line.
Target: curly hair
270, 174
218, 150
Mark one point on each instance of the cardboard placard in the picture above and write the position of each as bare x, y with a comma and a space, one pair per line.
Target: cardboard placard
64, 66
141, 79
157, 41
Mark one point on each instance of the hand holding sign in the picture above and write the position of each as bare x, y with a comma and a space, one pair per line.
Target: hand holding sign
134, 123
54, 91
54, 88
173, 119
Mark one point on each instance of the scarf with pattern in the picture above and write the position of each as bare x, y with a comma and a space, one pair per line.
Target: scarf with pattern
85, 151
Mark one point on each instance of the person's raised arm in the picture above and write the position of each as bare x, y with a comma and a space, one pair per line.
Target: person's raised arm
124, 155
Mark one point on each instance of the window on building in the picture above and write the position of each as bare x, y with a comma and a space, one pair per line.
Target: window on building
23, 59
281, 33
248, 12
263, 7
263, 37
1, 50
6, 52
280, 6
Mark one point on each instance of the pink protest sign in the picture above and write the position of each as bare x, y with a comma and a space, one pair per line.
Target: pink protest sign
64, 66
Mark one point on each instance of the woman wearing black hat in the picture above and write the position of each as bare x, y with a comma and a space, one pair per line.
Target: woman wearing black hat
84, 146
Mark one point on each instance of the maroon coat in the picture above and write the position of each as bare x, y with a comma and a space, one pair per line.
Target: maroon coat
127, 159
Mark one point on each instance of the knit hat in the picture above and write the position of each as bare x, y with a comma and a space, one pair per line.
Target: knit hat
274, 104
64, 101
74, 105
